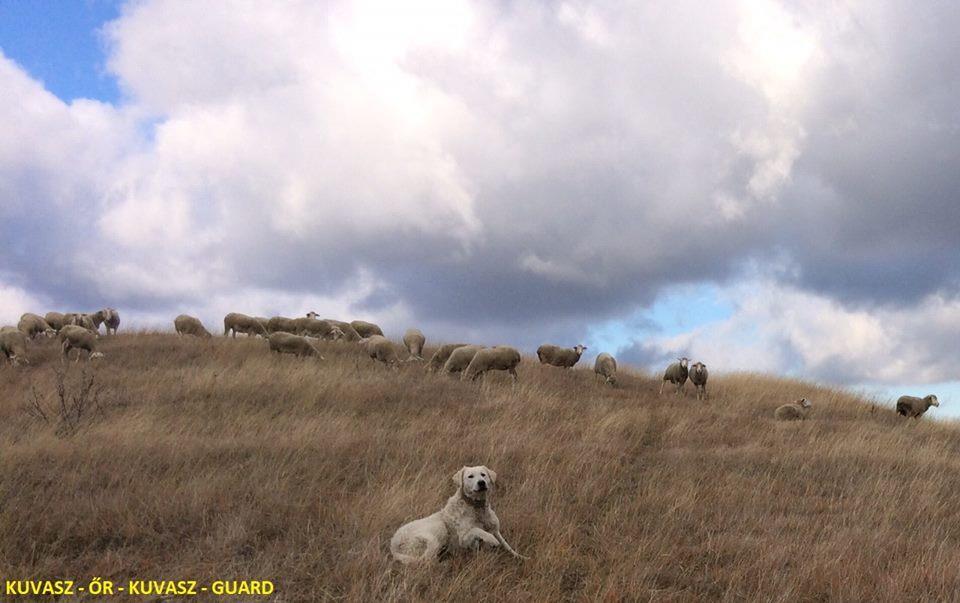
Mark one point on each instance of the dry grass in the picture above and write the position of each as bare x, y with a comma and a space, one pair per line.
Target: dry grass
214, 459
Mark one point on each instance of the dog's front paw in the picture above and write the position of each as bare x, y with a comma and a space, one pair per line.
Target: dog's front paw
490, 541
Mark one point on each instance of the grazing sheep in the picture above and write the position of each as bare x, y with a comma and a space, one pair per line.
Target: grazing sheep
797, 411
460, 358
698, 377
349, 333
33, 326
606, 366
281, 323
75, 337
55, 320
288, 343
498, 358
466, 523
321, 329
81, 320
13, 345
235, 322
413, 339
366, 329
109, 317
911, 406
676, 373
440, 357
189, 325
557, 356
380, 348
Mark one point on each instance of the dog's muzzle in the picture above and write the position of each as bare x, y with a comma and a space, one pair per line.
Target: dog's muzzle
481, 485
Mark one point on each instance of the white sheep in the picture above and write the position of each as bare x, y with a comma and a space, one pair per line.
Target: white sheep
797, 411
698, 377
562, 357
605, 367
366, 329
676, 373
288, 343
380, 348
235, 322
497, 358
460, 358
75, 337
911, 406
13, 345
34, 326
440, 357
414, 340
190, 325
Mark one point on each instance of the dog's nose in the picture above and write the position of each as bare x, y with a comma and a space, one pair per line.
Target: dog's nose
481, 485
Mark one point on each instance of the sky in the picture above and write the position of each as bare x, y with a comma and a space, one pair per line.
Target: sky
759, 185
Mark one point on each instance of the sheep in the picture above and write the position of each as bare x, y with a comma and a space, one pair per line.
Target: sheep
13, 345
55, 320
380, 348
440, 357
321, 329
81, 320
33, 326
189, 325
413, 339
75, 337
557, 356
281, 323
109, 317
911, 406
698, 377
676, 373
288, 343
498, 358
460, 358
349, 333
605, 366
366, 329
235, 322
796, 411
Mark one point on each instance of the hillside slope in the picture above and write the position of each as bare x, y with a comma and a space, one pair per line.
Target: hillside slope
217, 460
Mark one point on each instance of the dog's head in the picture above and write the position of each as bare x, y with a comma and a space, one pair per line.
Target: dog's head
475, 482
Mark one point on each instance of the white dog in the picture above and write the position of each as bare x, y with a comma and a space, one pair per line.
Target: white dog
466, 522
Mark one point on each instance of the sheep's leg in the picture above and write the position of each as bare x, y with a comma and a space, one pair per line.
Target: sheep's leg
661, 387
513, 373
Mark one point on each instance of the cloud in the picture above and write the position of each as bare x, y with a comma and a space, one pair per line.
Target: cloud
780, 329
511, 172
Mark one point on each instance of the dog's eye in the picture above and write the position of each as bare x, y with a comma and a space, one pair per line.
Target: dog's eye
483, 475
470, 476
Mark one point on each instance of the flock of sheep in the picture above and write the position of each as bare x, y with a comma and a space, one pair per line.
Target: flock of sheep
80, 331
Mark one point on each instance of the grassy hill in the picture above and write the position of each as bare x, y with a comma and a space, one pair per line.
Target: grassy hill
217, 460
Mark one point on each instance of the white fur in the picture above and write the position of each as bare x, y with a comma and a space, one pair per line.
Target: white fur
465, 523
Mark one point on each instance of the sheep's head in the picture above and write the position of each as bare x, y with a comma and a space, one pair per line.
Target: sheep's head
49, 333
804, 403
336, 334
96, 355
699, 367
579, 349
684, 362
932, 400
312, 315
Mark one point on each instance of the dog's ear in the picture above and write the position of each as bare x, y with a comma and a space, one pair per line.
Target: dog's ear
458, 477
492, 474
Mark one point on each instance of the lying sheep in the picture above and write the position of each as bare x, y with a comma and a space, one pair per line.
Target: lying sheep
75, 337
440, 357
911, 406
55, 320
698, 377
797, 411
606, 367
190, 325
380, 348
277, 324
460, 358
13, 345
288, 343
321, 329
557, 356
413, 339
366, 329
109, 317
676, 373
34, 326
235, 322
498, 358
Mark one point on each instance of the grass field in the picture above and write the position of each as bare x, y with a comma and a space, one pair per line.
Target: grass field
217, 460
